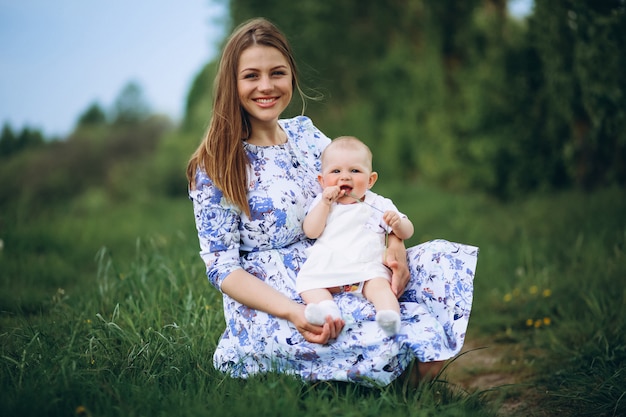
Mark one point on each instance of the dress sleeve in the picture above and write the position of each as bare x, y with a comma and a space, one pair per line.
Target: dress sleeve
217, 222
314, 203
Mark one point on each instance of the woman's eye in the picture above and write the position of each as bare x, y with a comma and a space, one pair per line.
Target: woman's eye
250, 75
279, 73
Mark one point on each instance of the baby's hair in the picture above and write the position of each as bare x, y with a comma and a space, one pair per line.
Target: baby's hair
348, 142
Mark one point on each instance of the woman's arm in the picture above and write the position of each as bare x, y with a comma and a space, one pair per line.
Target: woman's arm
256, 294
395, 259
217, 223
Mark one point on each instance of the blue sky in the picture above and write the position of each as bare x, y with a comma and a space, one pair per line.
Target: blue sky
59, 56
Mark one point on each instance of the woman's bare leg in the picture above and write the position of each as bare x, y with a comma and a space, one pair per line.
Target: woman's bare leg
422, 372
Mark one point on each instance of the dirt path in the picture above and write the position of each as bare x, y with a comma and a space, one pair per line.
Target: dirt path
501, 370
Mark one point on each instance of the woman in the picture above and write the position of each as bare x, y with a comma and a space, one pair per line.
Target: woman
250, 180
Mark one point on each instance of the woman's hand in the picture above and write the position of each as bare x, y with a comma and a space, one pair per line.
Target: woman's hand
395, 259
314, 333
256, 294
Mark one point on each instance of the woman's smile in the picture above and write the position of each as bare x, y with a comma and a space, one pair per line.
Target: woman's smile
266, 102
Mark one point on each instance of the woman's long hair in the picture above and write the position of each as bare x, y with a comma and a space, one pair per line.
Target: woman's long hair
221, 153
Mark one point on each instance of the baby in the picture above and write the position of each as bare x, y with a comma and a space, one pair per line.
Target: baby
350, 223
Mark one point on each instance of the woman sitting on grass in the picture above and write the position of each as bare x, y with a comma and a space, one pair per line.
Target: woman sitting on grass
251, 181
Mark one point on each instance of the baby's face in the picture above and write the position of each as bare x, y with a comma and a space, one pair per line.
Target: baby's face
350, 169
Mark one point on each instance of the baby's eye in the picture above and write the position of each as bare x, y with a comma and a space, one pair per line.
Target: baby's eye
355, 171
335, 171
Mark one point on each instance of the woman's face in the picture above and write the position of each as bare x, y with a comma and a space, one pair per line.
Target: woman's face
264, 83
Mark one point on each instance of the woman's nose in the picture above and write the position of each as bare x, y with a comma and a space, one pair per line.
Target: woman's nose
265, 84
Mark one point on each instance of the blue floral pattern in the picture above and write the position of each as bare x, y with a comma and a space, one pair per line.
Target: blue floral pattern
270, 244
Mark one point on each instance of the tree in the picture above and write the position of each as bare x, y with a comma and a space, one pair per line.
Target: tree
12, 142
8, 141
582, 48
131, 105
457, 93
93, 116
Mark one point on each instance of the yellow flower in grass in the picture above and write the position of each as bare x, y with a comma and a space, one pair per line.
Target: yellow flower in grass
529, 322
533, 290
507, 297
547, 321
81, 411
547, 292
537, 324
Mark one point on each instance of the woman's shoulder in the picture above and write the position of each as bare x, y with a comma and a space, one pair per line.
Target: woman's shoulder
302, 127
201, 179
203, 185
298, 121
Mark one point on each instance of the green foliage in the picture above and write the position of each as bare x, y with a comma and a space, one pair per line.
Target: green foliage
11, 142
93, 156
461, 95
582, 47
105, 305
93, 116
130, 105
135, 335
199, 100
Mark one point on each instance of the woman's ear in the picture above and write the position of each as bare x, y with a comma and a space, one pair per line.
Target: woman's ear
372, 179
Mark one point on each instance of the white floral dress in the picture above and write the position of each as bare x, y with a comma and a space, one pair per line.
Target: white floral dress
270, 244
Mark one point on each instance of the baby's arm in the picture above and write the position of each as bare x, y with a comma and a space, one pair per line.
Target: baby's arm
401, 226
315, 220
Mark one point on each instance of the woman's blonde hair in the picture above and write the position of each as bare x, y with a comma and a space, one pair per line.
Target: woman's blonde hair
221, 154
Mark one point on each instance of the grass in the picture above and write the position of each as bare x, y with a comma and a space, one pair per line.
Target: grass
106, 311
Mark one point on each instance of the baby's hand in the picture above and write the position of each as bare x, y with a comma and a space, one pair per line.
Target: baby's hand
392, 219
331, 194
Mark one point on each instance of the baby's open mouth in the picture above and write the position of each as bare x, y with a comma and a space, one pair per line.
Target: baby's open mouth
346, 189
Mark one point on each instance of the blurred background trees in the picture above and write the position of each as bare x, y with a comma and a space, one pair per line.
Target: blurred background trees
453, 93
461, 94
108, 151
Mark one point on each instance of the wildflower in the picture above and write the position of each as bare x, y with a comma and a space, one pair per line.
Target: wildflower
507, 297
529, 322
206, 307
516, 292
547, 292
537, 324
82, 411
547, 321
533, 290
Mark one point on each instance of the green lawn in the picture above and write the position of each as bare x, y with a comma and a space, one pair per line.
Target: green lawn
106, 311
